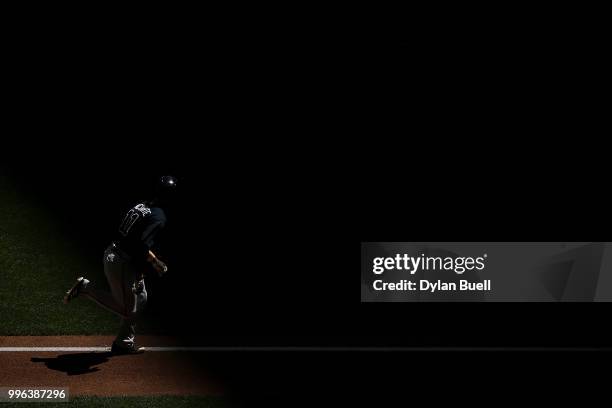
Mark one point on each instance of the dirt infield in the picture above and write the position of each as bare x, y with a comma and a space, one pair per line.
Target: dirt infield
99, 373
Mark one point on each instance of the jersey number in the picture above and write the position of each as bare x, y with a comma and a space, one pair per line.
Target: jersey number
131, 217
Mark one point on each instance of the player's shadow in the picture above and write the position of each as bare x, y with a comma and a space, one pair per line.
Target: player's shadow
75, 364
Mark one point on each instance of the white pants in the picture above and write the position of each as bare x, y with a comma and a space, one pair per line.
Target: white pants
128, 295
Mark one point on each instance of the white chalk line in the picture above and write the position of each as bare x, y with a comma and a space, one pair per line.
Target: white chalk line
297, 348
94, 349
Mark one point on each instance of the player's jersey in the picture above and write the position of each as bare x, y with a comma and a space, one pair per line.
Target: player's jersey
140, 229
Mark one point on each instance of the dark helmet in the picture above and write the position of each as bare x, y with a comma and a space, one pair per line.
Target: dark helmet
167, 183
165, 189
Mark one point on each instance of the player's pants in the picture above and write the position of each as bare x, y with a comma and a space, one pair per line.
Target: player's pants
128, 295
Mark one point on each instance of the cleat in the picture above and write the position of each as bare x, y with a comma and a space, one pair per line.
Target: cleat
119, 350
75, 290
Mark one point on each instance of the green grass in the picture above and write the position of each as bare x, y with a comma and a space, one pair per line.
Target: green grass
132, 402
37, 265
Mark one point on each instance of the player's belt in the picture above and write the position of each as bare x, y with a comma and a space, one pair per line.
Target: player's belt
115, 247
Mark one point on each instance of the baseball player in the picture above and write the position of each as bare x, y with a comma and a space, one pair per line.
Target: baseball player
125, 262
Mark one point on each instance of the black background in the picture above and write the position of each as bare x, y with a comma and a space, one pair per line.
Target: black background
289, 155
288, 161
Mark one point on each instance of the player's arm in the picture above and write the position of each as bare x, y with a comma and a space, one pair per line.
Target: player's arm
149, 235
158, 265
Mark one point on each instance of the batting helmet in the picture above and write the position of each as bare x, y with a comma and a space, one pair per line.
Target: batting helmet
165, 188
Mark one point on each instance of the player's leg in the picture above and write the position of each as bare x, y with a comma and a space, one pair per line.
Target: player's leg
76, 289
115, 301
127, 298
136, 299
103, 298
127, 331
